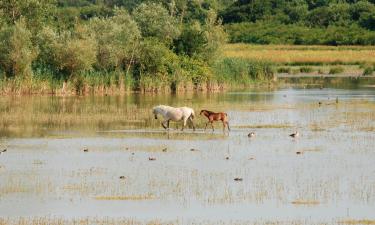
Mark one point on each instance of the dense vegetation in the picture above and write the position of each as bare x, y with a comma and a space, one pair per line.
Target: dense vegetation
328, 22
83, 45
151, 45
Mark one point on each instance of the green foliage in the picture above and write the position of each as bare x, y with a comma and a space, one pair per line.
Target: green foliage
117, 38
35, 13
301, 22
68, 53
154, 21
159, 44
368, 71
16, 51
284, 70
264, 33
240, 71
336, 70
306, 69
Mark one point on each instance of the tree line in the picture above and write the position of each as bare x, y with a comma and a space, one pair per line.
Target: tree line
156, 44
328, 22
139, 44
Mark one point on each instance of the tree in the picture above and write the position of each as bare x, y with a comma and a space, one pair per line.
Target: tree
215, 36
17, 52
367, 20
154, 21
34, 12
68, 53
117, 39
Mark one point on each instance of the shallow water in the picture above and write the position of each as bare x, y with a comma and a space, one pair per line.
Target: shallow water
325, 176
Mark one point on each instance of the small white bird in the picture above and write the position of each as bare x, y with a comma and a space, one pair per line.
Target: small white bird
251, 134
294, 135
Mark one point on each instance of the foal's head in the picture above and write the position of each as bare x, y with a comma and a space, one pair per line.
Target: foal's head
205, 112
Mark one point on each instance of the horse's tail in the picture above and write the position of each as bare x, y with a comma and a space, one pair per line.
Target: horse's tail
192, 114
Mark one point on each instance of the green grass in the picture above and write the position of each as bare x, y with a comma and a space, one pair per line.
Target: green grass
336, 70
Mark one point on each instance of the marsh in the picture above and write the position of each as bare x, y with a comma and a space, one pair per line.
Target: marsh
46, 176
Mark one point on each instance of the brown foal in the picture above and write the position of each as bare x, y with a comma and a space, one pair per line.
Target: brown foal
212, 116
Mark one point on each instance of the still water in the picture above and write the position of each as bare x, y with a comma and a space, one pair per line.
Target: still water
65, 157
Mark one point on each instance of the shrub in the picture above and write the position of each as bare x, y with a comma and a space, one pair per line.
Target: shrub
284, 70
306, 69
368, 71
234, 70
336, 70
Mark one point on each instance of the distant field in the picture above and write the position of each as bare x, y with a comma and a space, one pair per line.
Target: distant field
301, 54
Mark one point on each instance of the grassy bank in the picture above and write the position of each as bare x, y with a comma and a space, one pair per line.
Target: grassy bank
223, 74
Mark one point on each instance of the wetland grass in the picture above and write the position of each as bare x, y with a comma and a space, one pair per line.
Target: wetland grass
302, 55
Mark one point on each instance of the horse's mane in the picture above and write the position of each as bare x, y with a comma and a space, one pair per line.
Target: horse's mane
210, 112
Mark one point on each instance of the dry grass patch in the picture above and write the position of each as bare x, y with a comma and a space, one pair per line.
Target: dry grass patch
352, 221
126, 198
305, 202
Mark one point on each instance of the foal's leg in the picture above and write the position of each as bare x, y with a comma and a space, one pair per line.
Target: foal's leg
206, 126
212, 125
227, 125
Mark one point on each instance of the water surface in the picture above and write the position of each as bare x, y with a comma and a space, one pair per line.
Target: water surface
327, 175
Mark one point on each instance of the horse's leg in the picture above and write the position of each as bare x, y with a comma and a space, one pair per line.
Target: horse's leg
206, 126
192, 123
212, 125
168, 123
183, 125
227, 125
163, 123
223, 125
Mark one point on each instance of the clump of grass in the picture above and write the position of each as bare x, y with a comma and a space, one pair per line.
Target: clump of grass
320, 71
295, 71
368, 71
336, 70
284, 70
235, 70
306, 69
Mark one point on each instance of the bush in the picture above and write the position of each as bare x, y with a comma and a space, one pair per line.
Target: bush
237, 71
368, 71
284, 70
336, 70
306, 69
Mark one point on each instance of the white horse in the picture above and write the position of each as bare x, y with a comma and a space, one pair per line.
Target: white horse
175, 114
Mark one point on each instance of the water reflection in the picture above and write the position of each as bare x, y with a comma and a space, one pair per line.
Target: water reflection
33, 116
